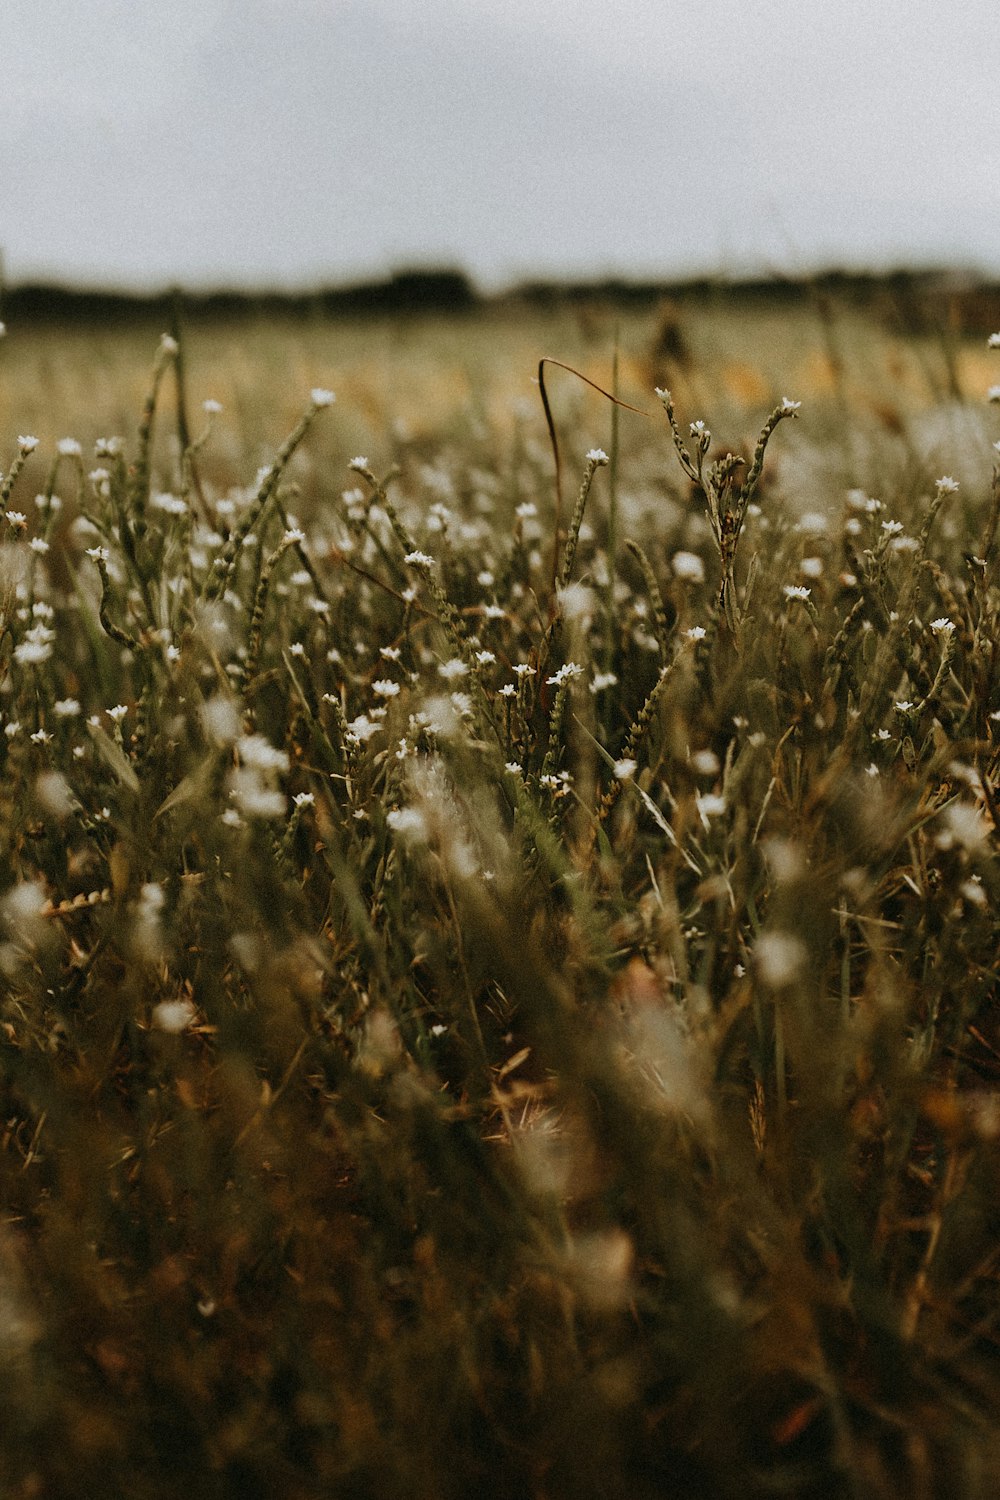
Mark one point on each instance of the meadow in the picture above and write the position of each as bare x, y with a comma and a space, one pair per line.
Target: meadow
498, 953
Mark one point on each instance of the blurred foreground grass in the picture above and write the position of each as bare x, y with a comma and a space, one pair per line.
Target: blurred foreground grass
500, 997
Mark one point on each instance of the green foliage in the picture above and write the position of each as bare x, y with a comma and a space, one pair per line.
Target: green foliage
470, 1026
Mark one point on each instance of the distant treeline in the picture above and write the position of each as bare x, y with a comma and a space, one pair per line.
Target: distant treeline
917, 300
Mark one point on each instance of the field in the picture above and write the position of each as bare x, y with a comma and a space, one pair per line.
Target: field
498, 953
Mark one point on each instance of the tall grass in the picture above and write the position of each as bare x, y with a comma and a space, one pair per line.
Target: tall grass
481, 1018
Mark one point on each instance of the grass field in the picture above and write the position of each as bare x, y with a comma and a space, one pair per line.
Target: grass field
498, 976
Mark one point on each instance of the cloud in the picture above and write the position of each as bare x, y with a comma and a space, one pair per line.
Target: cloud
309, 139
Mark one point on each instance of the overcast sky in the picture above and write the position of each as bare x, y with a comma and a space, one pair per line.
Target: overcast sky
296, 141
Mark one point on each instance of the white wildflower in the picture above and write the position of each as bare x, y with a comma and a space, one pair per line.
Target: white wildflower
409, 822
710, 805
384, 687
688, 567
943, 626
65, 708
625, 768
69, 448
597, 456
780, 958
452, 670
696, 633
258, 752
26, 445
39, 544
789, 407
796, 591
173, 1016
418, 560
321, 398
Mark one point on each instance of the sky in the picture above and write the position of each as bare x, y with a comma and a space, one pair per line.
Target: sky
303, 142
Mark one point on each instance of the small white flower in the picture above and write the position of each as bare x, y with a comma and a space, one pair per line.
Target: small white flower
69, 448
526, 510
418, 560
304, 799
625, 768
705, 763
17, 519
321, 398
385, 688
99, 554
688, 567
993, 394
31, 652
597, 456
297, 649
943, 626
358, 464
171, 505
903, 705
522, 670
946, 485
40, 737
811, 567
780, 958
697, 428
566, 673
485, 579
453, 669
603, 680
508, 690
168, 345
65, 708
710, 805
293, 536
12, 728
117, 713
789, 407
407, 821
173, 1016
813, 522
696, 633
211, 408
27, 445
485, 658
993, 342
39, 544
892, 528
796, 591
